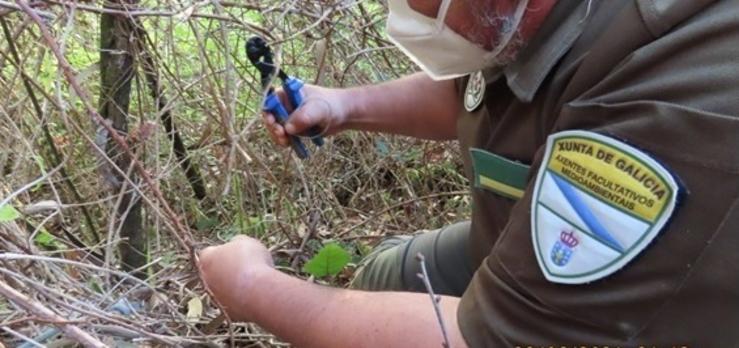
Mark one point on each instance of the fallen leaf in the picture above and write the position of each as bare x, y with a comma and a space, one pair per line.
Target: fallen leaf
194, 308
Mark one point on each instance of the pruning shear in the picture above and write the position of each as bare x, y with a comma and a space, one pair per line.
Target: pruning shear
262, 58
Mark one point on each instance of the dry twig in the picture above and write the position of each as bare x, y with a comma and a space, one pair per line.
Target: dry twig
38, 309
434, 298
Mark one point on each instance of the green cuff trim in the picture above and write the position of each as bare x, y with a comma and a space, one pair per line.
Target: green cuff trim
498, 174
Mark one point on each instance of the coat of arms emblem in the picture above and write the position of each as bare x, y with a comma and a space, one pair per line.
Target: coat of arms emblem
564, 247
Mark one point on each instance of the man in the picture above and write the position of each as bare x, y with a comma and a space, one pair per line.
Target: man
601, 140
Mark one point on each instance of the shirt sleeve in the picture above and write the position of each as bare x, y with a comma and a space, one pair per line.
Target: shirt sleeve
675, 99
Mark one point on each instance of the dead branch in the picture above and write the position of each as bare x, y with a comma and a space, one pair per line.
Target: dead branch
181, 233
424, 275
157, 93
47, 314
132, 11
56, 157
12, 7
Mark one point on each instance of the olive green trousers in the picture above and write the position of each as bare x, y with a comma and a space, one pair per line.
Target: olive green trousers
393, 266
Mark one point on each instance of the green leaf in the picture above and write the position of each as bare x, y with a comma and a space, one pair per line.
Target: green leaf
8, 213
45, 239
331, 259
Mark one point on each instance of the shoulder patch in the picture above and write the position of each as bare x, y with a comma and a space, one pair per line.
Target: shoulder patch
597, 203
474, 92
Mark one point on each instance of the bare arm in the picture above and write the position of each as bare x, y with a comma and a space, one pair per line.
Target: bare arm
310, 315
240, 275
414, 105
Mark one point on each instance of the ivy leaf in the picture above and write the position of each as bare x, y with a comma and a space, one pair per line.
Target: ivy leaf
330, 260
8, 213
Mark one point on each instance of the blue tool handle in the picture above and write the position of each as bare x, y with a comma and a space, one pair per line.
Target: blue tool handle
293, 87
272, 105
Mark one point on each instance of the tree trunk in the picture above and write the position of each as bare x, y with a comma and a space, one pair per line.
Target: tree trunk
149, 69
116, 72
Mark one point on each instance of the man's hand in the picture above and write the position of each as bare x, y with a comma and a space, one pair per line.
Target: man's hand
414, 105
230, 271
322, 107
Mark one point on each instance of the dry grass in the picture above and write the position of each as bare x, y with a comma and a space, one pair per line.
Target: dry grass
356, 189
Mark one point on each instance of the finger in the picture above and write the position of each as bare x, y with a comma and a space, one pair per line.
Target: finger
284, 100
280, 137
275, 130
268, 118
314, 112
206, 252
206, 255
269, 122
272, 135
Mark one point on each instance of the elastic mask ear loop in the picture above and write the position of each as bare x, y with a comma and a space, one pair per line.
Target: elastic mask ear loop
512, 29
441, 16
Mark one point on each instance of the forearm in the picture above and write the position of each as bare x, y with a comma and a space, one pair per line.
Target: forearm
414, 105
310, 315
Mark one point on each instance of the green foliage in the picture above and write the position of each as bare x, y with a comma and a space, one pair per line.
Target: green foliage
205, 223
8, 213
330, 260
44, 239
249, 225
253, 226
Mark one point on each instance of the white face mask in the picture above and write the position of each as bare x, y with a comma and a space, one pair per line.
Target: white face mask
437, 49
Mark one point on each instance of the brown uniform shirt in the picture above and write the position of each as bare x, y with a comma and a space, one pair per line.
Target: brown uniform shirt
662, 76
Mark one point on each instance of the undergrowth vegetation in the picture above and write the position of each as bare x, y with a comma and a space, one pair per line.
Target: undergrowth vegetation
60, 249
